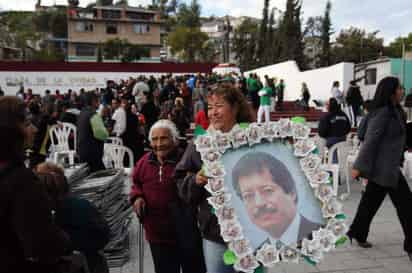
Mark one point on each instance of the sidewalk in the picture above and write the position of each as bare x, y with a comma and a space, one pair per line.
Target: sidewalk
386, 256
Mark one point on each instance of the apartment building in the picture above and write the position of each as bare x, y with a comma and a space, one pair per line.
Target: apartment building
87, 28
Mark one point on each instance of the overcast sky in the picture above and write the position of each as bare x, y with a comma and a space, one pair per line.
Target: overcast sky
392, 18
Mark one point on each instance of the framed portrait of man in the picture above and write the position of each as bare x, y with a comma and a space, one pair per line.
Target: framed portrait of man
271, 195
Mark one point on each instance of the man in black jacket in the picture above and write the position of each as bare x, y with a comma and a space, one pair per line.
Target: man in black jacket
335, 125
354, 99
91, 134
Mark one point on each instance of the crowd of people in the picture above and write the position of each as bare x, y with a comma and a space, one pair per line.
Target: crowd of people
153, 117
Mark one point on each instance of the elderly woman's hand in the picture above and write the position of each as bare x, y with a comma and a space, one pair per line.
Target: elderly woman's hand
201, 178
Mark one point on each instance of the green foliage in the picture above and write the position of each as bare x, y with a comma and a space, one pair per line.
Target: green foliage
189, 16
117, 49
394, 50
104, 2
58, 23
187, 42
263, 30
356, 45
325, 35
244, 44
291, 38
122, 2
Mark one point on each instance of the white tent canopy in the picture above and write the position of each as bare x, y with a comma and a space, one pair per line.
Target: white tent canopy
223, 69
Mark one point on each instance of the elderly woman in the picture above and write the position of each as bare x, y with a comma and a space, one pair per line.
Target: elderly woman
227, 106
30, 242
153, 192
379, 160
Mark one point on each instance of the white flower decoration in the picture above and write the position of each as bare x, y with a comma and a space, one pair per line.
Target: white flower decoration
270, 131
204, 142
246, 264
324, 192
268, 255
215, 185
318, 177
219, 200
231, 231
241, 247
289, 254
337, 227
303, 147
239, 137
310, 162
312, 249
326, 239
332, 208
300, 131
254, 134
223, 141
210, 156
285, 128
226, 214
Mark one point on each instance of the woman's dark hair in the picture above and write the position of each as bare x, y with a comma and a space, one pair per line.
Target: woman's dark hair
54, 181
334, 106
235, 98
12, 117
386, 89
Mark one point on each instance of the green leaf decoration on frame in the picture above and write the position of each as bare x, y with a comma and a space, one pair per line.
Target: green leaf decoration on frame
199, 131
229, 257
341, 217
309, 260
244, 125
341, 241
213, 211
259, 269
298, 120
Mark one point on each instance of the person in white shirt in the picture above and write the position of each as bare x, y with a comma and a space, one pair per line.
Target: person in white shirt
119, 117
336, 92
268, 192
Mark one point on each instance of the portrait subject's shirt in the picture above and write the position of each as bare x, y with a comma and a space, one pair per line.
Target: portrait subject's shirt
290, 236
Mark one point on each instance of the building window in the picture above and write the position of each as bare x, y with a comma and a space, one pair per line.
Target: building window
141, 28
370, 76
139, 16
111, 14
111, 28
84, 27
85, 50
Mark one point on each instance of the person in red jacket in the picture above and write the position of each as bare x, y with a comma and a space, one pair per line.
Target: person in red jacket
152, 194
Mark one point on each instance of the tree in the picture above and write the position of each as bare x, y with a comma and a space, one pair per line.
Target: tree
122, 2
356, 45
244, 44
291, 37
394, 50
104, 2
189, 16
187, 42
263, 29
325, 35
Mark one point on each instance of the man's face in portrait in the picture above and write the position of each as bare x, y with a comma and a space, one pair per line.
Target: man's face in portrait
269, 207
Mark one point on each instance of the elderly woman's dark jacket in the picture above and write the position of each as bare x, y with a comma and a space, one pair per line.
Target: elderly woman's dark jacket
381, 154
195, 195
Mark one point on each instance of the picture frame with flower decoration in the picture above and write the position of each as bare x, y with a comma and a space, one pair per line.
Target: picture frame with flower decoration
304, 223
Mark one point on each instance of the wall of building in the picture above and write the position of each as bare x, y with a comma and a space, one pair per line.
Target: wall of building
403, 70
124, 31
319, 81
64, 76
383, 69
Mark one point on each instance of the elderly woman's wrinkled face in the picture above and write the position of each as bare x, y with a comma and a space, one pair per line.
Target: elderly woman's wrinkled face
221, 114
162, 142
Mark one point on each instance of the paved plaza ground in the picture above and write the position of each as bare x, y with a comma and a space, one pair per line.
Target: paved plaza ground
386, 256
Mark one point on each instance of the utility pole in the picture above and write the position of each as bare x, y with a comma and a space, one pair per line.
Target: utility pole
403, 63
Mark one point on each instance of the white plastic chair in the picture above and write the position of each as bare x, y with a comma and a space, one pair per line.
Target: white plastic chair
321, 145
339, 169
106, 156
59, 136
116, 155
